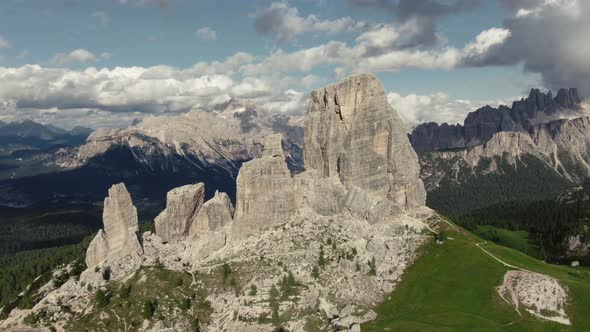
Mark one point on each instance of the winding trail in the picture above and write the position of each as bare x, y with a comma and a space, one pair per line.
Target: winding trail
498, 259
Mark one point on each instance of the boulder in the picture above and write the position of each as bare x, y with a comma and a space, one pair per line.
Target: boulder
182, 206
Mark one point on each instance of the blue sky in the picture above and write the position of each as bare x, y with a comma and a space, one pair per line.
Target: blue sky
468, 59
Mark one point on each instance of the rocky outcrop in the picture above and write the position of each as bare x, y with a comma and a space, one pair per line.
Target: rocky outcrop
353, 133
182, 206
357, 157
213, 215
265, 193
98, 249
480, 125
539, 294
119, 235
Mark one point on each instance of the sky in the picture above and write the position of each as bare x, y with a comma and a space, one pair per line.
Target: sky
107, 63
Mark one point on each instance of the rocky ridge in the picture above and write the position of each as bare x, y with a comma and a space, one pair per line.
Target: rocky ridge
479, 126
562, 145
225, 136
355, 216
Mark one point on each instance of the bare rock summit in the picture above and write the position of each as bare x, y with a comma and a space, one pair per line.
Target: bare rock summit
353, 133
265, 193
213, 215
182, 205
119, 235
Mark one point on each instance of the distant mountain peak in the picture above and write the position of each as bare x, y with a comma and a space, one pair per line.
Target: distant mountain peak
236, 105
480, 125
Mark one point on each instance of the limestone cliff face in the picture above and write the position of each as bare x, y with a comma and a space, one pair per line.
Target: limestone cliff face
351, 132
357, 158
182, 206
119, 236
213, 215
265, 193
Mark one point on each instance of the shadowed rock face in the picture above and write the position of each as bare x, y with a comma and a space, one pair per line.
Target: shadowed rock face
182, 206
119, 236
353, 133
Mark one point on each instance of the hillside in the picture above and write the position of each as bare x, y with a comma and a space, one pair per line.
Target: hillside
453, 287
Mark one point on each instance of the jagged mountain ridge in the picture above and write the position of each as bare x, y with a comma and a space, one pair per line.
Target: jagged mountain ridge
533, 150
480, 125
562, 145
229, 134
157, 154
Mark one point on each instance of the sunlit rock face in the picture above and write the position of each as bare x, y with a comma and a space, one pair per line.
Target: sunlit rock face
353, 133
119, 236
182, 206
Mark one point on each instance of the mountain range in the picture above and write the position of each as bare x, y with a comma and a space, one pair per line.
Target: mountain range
152, 156
277, 258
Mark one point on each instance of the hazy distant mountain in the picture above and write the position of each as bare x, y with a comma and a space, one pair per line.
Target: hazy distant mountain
79, 130
231, 132
29, 129
159, 153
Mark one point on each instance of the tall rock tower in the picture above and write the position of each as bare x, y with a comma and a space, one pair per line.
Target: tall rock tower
353, 133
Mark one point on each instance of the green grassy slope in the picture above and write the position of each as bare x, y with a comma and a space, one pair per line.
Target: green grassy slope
452, 288
518, 240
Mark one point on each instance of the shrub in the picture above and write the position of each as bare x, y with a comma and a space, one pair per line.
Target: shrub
276, 321
227, 271
373, 267
185, 304
288, 284
273, 294
102, 300
149, 308
315, 272
253, 290
124, 292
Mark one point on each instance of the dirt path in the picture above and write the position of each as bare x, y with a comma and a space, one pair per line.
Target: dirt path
498, 259
452, 225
